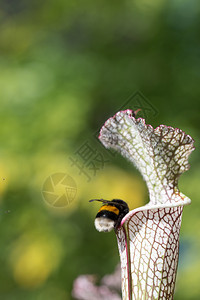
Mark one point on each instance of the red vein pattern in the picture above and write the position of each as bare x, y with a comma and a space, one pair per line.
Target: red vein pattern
148, 239
153, 253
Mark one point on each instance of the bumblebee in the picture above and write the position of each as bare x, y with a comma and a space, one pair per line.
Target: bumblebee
110, 214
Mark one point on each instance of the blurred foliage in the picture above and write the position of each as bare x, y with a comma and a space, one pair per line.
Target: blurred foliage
65, 67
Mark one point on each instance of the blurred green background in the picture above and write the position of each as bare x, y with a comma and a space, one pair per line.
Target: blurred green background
65, 67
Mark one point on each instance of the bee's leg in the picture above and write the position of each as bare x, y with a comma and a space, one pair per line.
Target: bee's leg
117, 224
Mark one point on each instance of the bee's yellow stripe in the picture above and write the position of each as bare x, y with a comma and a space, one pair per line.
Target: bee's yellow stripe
113, 209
